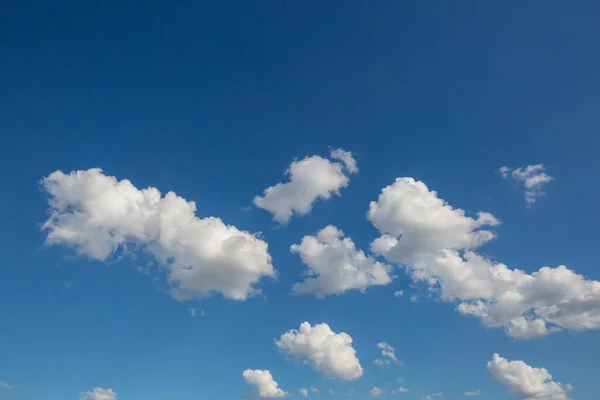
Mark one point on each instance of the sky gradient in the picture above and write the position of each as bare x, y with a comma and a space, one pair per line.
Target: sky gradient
259, 199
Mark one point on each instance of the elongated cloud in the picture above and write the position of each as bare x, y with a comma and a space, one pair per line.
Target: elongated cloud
100, 394
533, 178
311, 178
336, 266
264, 384
436, 244
326, 351
97, 214
525, 382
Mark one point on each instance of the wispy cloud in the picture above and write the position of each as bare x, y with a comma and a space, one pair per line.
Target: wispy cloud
533, 178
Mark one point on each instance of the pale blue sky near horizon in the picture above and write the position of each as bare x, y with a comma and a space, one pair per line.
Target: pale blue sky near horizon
213, 101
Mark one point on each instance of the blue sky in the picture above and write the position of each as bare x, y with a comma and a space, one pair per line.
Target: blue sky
214, 102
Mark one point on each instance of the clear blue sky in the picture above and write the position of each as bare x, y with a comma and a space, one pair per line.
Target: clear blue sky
214, 101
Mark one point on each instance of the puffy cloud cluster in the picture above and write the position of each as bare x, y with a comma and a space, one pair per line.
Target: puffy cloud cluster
100, 394
436, 244
263, 382
389, 354
326, 351
525, 382
311, 178
336, 266
98, 214
533, 177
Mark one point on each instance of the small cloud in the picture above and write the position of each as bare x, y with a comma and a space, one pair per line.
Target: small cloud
476, 393
401, 389
399, 379
533, 178
399, 293
330, 390
568, 386
303, 392
376, 392
314, 389
438, 394
413, 298
504, 171
196, 312
5, 385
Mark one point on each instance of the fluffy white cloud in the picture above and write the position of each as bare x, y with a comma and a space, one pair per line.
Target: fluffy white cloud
375, 392
533, 177
336, 266
327, 352
98, 214
401, 389
399, 293
476, 393
303, 392
311, 178
436, 244
525, 382
263, 382
100, 394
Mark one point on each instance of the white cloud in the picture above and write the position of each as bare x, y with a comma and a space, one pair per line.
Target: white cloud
5, 385
525, 382
399, 379
376, 392
389, 354
196, 312
401, 389
476, 393
303, 392
97, 214
263, 382
311, 178
533, 177
330, 391
314, 389
327, 352
100, 394
436, 244
398, 293
336, 266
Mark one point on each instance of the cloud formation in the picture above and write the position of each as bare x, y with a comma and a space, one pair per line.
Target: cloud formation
311, 179
326, 351
263, 383
532, 177
97, 214
100, 394
376, 392
303, 392
436, 244
388, 353
336, 266
525, 382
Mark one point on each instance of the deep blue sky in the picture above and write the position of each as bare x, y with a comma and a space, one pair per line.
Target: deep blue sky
213, 101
